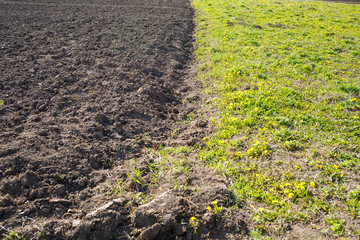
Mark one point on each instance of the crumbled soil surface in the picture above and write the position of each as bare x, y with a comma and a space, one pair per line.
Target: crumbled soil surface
86, 85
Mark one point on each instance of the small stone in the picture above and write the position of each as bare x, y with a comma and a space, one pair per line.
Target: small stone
42, 107
76, 222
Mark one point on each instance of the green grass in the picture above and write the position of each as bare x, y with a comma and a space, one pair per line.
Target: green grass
284, 77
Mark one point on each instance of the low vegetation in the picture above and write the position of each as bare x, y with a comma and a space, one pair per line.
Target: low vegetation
284, 77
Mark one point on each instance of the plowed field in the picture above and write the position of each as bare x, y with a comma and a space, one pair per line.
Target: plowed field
84, 86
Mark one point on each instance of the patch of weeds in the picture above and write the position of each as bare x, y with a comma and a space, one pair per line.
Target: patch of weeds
350, 89
136, 177
288, 93
137, 198
194, 224
215, 208
182, 186
353, 202
258, 149
259, 233
337, 226
11, 236
116, 189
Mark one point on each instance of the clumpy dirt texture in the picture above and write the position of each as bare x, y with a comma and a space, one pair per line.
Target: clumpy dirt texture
84, 87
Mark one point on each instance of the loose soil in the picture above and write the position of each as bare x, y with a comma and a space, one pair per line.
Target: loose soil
86, 86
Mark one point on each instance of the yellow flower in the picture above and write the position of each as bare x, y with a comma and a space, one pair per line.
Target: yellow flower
353, 100
192, 219
209, 208
274, 201
262, 209
291, 195
248, 169
300, 185
214, 202
286, 191
312, 184
271, 189
336, 166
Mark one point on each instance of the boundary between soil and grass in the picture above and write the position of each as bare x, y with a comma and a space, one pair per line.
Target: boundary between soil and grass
283, 77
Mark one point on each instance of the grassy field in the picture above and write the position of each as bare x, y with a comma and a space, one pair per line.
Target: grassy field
284, 78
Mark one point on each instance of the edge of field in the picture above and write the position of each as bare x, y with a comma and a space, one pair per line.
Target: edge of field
281, 94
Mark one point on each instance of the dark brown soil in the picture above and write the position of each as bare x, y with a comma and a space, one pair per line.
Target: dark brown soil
86, 85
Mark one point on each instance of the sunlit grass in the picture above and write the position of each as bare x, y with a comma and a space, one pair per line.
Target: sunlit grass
285, 78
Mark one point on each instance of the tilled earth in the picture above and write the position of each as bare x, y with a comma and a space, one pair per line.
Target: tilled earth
84, 86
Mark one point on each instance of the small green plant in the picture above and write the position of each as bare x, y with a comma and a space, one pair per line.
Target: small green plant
135, 176
117, 189
176, 185
337, 226
194, 224
2, 102
258, 149
12, 236
186, 182
353, 202
215, 208
257, 233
